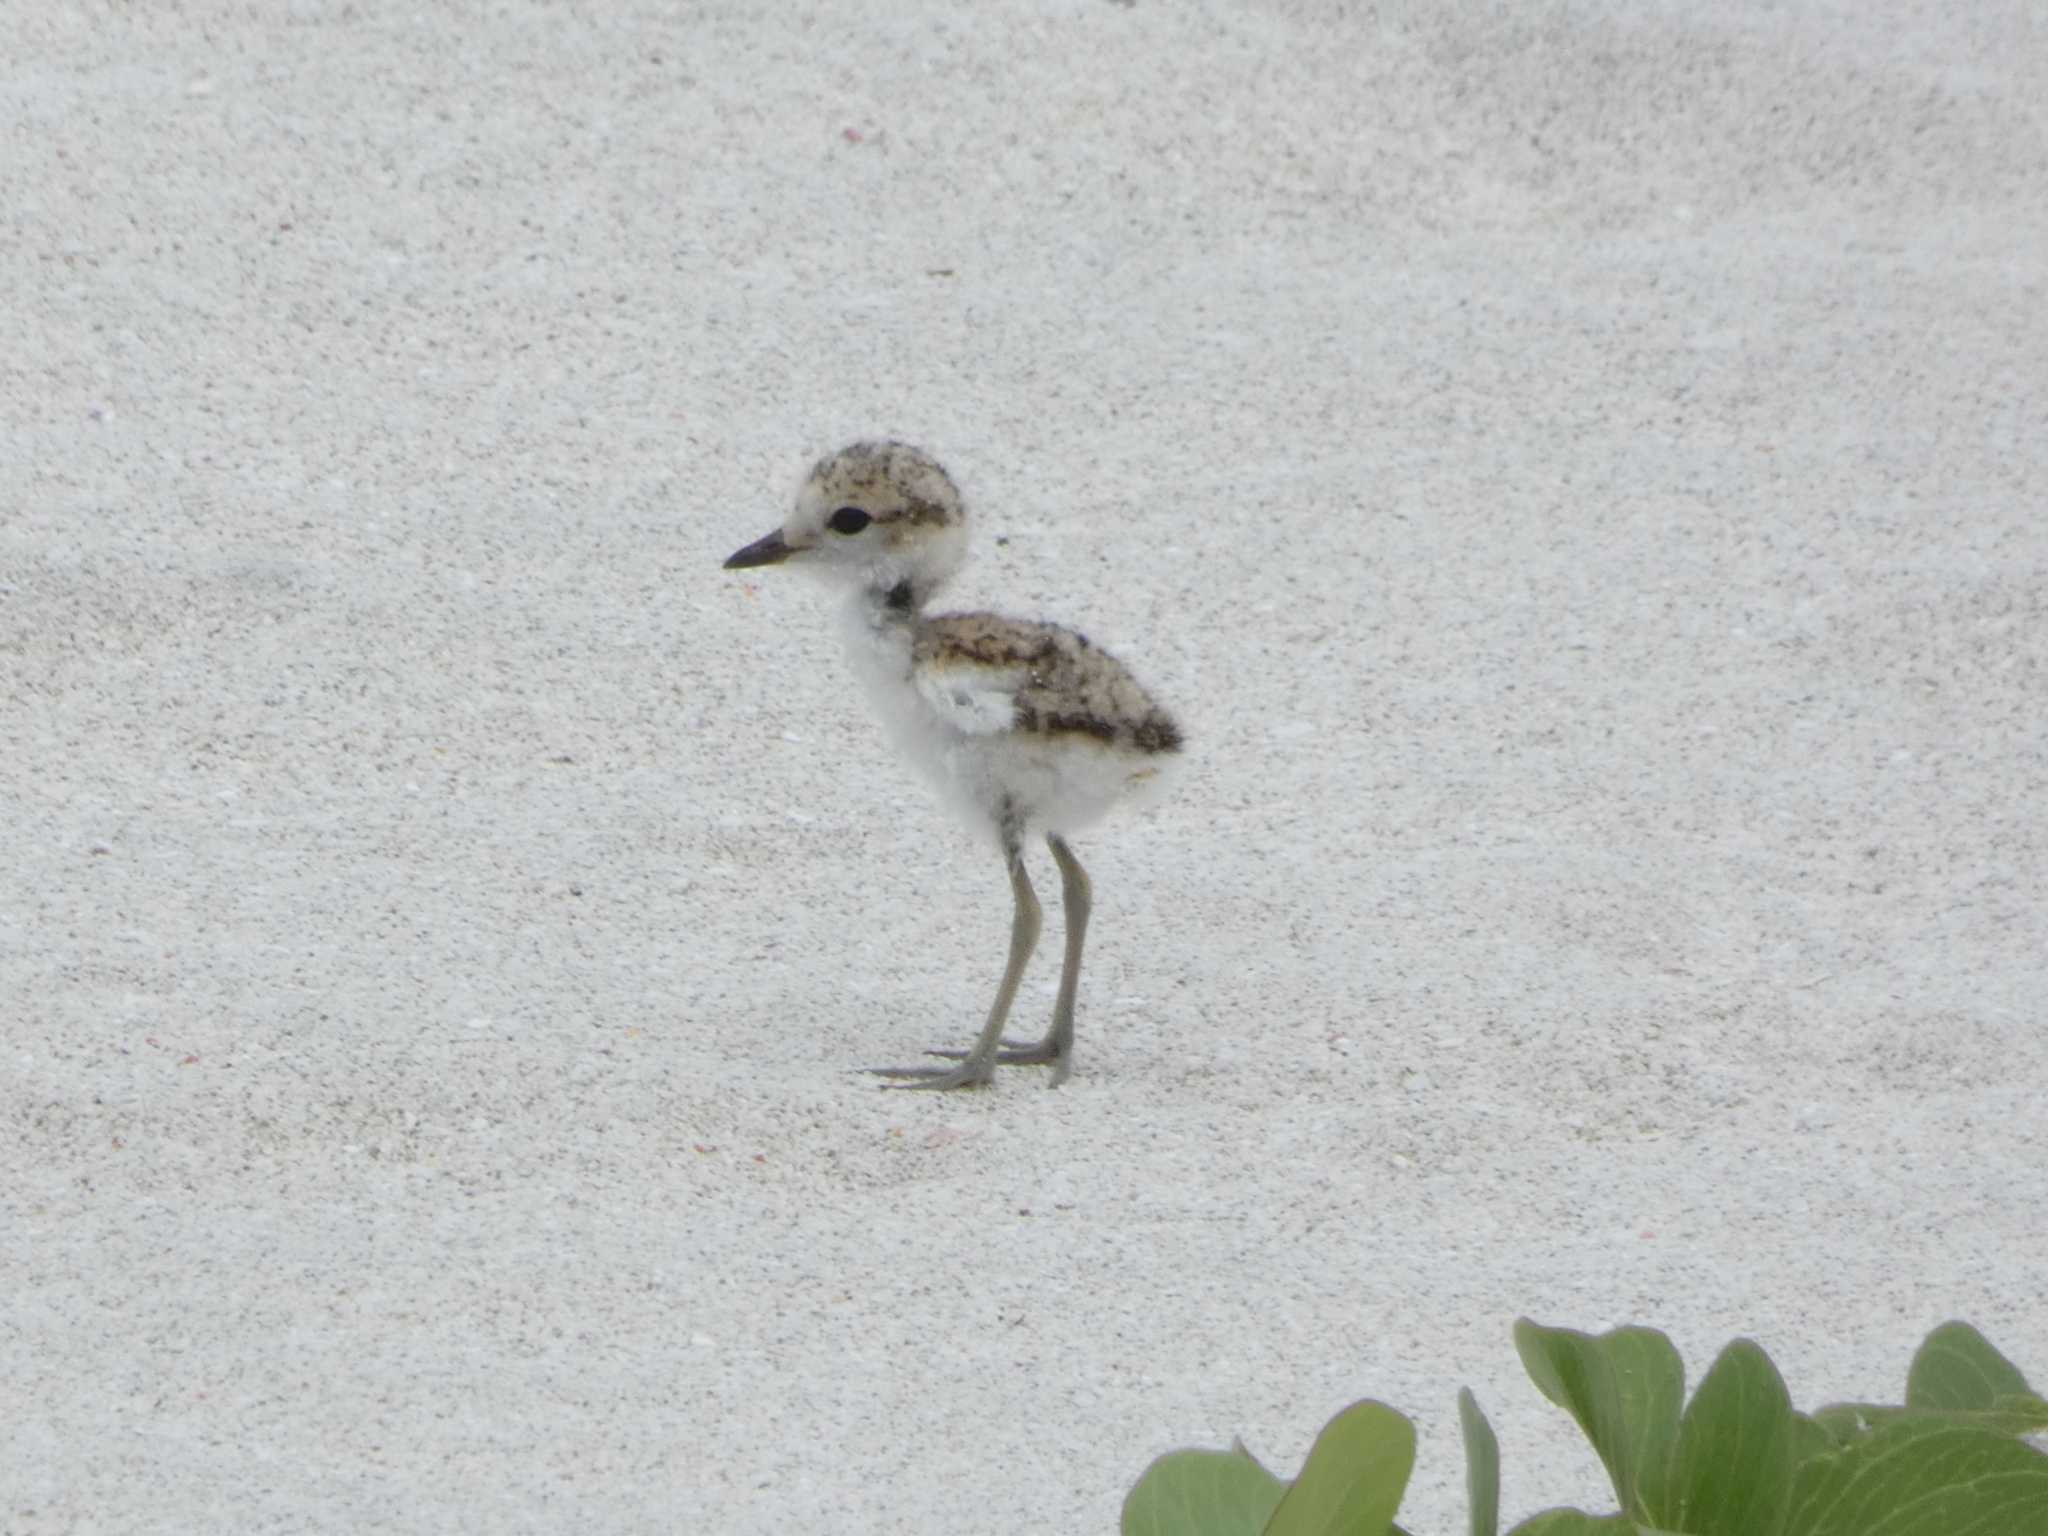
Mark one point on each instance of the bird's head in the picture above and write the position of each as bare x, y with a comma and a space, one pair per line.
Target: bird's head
881, 516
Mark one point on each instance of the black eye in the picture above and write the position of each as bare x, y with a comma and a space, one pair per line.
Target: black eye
848, 520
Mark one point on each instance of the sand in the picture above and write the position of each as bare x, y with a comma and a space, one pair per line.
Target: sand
1577, 471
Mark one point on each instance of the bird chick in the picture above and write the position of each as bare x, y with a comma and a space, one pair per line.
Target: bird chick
1023, 726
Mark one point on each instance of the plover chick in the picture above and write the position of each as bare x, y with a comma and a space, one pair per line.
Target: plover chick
1023, 726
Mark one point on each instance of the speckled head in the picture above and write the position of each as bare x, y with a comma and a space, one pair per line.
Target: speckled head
876, 515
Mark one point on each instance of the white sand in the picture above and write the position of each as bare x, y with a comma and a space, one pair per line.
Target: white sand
1580, 477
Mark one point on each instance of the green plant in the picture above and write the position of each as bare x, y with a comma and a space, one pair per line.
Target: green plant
1738, 1460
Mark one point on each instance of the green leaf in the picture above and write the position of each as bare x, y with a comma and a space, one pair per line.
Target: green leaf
1482, 1465
1843, 1422
1575, 1522
1923, 1476
1625, 1389
2025, 1414
1956, 1367
1202, 1493
1731, 1474
1353, 1479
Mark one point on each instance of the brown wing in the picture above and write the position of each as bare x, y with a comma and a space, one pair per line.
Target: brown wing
1058, 681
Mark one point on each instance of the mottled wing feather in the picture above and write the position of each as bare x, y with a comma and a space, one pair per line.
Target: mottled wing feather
985, 673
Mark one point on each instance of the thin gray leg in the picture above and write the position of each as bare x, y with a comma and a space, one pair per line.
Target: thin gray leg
978, 1066
1077, 898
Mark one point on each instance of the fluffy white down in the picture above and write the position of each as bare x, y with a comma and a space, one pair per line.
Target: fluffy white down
957, 729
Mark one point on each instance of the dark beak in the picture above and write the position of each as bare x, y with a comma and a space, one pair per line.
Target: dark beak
768, 551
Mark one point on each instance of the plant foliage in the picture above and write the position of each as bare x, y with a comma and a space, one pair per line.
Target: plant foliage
1737, 1460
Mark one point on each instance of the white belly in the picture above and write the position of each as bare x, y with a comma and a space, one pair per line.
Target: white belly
963, 740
